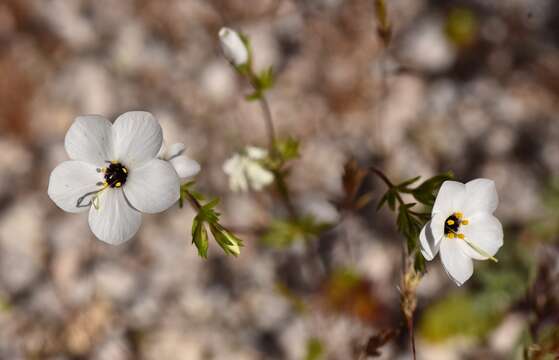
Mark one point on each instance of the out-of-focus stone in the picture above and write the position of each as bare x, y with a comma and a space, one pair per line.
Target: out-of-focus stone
427, 48
22, 242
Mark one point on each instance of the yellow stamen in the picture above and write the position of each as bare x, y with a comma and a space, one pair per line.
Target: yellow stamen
458, 215
460, 236
450, 236
125, 170
464, 222
118, 184
450, 222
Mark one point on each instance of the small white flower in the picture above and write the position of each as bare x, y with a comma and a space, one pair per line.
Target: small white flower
245, 170
114, 173
463, 227
183, 165
234, 49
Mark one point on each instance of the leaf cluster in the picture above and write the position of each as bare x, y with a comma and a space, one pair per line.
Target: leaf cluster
262, 81
208, 217
409, 221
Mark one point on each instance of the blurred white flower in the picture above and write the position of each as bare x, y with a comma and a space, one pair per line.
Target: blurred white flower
246, 171
114, 173
234, 49
463, 227
183, 165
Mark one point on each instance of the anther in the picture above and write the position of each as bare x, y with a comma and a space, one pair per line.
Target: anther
460, 236
450, 235
464, 222
458, 215
450, 222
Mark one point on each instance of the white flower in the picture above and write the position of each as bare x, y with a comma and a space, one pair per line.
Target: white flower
234, 49
114, 173
463, 227
183, 165
245, 170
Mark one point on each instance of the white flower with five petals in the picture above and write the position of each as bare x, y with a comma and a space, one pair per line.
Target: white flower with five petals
114, 173
463, 227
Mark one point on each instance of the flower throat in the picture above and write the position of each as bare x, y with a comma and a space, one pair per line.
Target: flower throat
116, 174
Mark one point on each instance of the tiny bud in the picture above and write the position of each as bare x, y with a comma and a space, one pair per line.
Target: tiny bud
234, 49
228, 242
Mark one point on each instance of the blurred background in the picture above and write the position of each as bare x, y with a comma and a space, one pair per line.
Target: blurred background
468, 86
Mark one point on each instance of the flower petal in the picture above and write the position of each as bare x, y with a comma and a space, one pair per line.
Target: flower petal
482, 197
115, 221
457, 264
234, 167
71, 180
175, 150
450, 197
427, 242
486, 232
89, 139
153, 187
185, 167
137, 138
257, 175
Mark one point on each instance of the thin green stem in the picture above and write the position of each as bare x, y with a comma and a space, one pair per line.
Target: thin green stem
263, 101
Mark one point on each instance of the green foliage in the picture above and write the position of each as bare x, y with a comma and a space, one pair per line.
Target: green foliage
426, 192
188, 188
315, 349
283, 233
458, 314
228, 242
288, 149
479, 311
409, 221
208, 216
546, 227
261, 82
200, 237
461, 26
384, 28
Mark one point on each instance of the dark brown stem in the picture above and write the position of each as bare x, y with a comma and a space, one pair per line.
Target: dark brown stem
388, 183
192, 201
412, 337
409, 317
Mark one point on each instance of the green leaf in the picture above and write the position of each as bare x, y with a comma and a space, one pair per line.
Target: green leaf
265, 79
228, 242
315, 349
200, 237
207, 212
458, 314
406, 183
288, 148
425, 193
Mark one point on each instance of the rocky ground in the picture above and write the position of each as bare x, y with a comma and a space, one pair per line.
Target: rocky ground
467, 86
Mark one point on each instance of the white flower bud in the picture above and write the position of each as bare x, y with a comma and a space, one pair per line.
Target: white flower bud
234, 49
